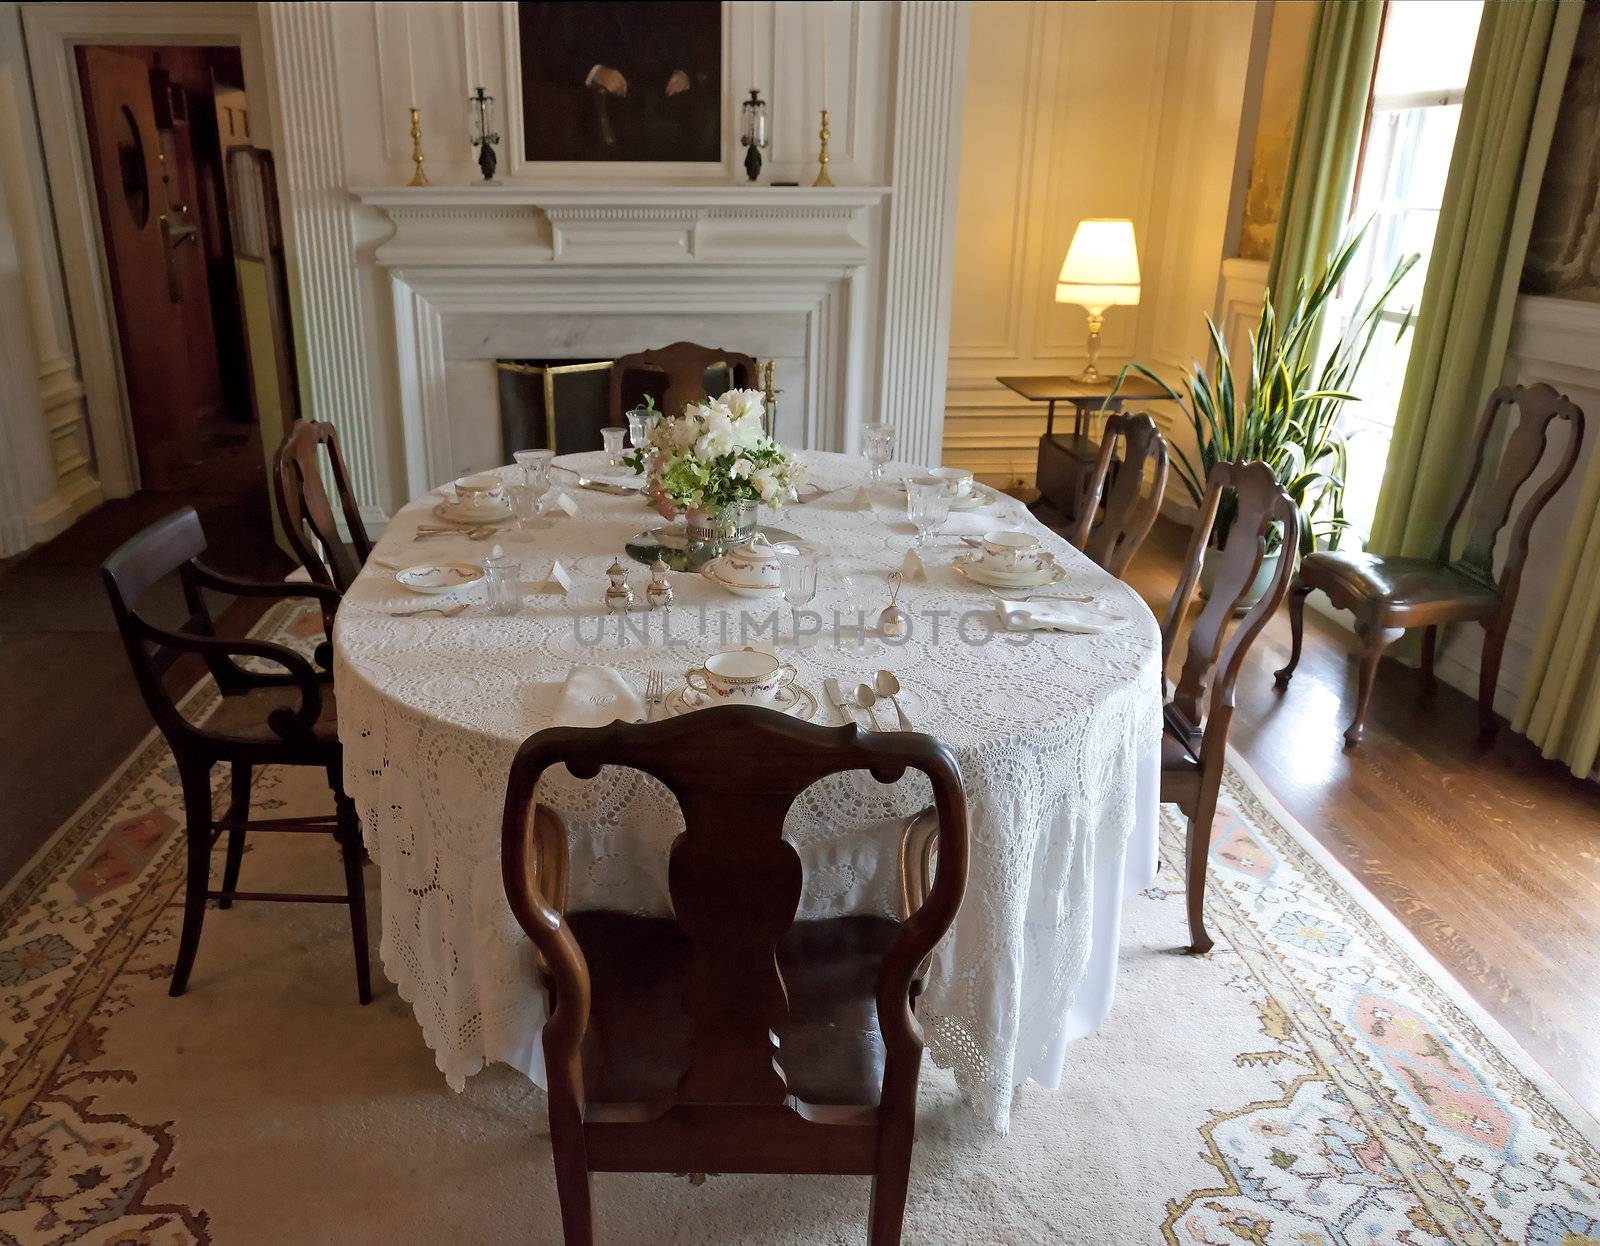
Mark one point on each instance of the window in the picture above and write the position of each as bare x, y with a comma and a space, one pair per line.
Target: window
1416, 106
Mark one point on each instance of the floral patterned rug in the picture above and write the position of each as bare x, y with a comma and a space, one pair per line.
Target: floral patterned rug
1315, 1080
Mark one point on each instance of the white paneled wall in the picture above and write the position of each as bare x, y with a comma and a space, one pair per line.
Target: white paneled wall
1111, 109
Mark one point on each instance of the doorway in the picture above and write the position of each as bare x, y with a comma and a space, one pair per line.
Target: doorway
165, 125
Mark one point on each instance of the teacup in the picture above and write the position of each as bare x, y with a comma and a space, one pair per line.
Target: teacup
751, 565
480, 492
1014, 552
958, 478
747, 675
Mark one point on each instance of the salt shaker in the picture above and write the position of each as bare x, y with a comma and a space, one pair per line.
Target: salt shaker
659, 594
619, 597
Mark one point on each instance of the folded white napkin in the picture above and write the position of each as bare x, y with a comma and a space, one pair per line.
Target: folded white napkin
1086, 618
972, 523
594, 696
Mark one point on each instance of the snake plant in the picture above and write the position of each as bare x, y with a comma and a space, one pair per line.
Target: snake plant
1287, 412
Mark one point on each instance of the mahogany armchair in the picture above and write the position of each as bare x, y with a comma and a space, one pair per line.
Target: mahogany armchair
284, 718
1194, 738
1390, 594
730, 1037
1128, 512
683, 367
306, 512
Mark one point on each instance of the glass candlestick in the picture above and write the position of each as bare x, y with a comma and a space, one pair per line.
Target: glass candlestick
484, 137
753, 132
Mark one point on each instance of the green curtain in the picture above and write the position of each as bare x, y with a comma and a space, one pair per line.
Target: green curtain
1321, 174
1464, 320
1560, 706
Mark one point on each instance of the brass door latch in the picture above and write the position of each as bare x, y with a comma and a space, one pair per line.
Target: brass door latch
173, 235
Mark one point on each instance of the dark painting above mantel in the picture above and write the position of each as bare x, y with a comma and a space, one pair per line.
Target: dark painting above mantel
621, 80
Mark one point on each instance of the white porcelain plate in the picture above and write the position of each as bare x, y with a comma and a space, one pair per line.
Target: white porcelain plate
980, 497
439, 577
971, 566
471, 516
793, 700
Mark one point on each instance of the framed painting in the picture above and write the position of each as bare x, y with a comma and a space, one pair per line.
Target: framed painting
621, 80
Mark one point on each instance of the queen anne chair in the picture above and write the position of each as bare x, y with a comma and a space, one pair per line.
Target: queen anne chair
1128, 512
280, 718
683, 367
1390, 594
306, 512
1194, 739
729, 1037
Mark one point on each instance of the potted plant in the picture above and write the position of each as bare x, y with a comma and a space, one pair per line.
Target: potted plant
714, 462
1287, 413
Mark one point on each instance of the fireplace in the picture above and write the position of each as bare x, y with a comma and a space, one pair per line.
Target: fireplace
481, 276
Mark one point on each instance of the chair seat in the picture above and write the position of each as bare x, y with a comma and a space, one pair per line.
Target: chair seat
1399, 583
244, 717
639, 1036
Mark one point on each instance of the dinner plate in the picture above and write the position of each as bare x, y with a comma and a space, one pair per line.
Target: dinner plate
454, 512
972, 567
685, 700
439, 577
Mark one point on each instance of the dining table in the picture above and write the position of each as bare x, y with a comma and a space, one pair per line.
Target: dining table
1056, 735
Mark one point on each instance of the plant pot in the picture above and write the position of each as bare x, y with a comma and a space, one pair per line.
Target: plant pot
733, 522
1258, 586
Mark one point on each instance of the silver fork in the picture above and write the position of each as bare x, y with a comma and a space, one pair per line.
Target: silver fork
655, 692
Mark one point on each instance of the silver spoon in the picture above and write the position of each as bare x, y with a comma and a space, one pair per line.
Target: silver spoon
867, 699
888, 687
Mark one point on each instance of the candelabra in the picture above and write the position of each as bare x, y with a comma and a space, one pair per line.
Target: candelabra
484, 137
753, 132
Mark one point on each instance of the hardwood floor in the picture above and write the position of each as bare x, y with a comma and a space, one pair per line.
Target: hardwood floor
1491, 856
72, 712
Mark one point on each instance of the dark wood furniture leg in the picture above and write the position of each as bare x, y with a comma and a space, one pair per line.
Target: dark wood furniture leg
1298, 593
197, 880
1374, 640
1197, 855
238, 812
348, 833
1430, 643
1494, 648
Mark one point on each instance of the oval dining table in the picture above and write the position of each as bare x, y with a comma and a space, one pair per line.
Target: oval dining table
1057, 736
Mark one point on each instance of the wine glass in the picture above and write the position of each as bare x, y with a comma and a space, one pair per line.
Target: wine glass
612, 437
799, 580
531, 461
638, 428
927, 505
527, 499
877, 442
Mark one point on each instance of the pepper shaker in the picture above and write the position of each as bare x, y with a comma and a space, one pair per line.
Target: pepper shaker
659, 594
619, 596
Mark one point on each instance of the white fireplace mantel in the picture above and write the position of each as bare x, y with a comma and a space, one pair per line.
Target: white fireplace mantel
523, 225
479, 274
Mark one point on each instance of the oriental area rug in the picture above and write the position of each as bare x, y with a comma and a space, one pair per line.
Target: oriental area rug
1316, 1079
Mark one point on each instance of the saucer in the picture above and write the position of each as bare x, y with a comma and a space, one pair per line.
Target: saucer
439, 577
972, 567
740, 590
685, 700
976, 500
454, 512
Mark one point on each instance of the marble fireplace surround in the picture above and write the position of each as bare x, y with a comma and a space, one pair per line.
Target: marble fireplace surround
480, 274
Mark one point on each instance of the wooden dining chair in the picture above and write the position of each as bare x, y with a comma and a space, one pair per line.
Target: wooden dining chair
1111, 534
1390, 594
680, 373
280, 718
729, 1037
306, 512
1194, 738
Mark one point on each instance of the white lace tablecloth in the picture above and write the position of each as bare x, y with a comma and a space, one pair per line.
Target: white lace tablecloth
1057, 737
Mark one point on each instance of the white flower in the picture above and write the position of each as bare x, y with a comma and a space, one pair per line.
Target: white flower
740, 469
716, 436
744, 404
765, 482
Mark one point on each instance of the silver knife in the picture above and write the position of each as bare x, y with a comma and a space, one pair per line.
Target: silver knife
836, 695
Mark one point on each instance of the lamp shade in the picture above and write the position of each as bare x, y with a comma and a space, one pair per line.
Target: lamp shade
1102, 266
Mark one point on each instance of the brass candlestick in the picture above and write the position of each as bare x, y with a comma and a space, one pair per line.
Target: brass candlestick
419, 178
822, 156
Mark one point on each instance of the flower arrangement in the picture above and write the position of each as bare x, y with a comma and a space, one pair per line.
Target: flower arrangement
716, 454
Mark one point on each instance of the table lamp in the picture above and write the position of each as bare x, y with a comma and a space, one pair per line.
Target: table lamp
1101, 270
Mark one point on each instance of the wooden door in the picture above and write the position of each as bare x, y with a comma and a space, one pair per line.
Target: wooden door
155, 266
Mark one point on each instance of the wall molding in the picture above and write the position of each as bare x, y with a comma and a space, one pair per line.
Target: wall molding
930, 84
336, 378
